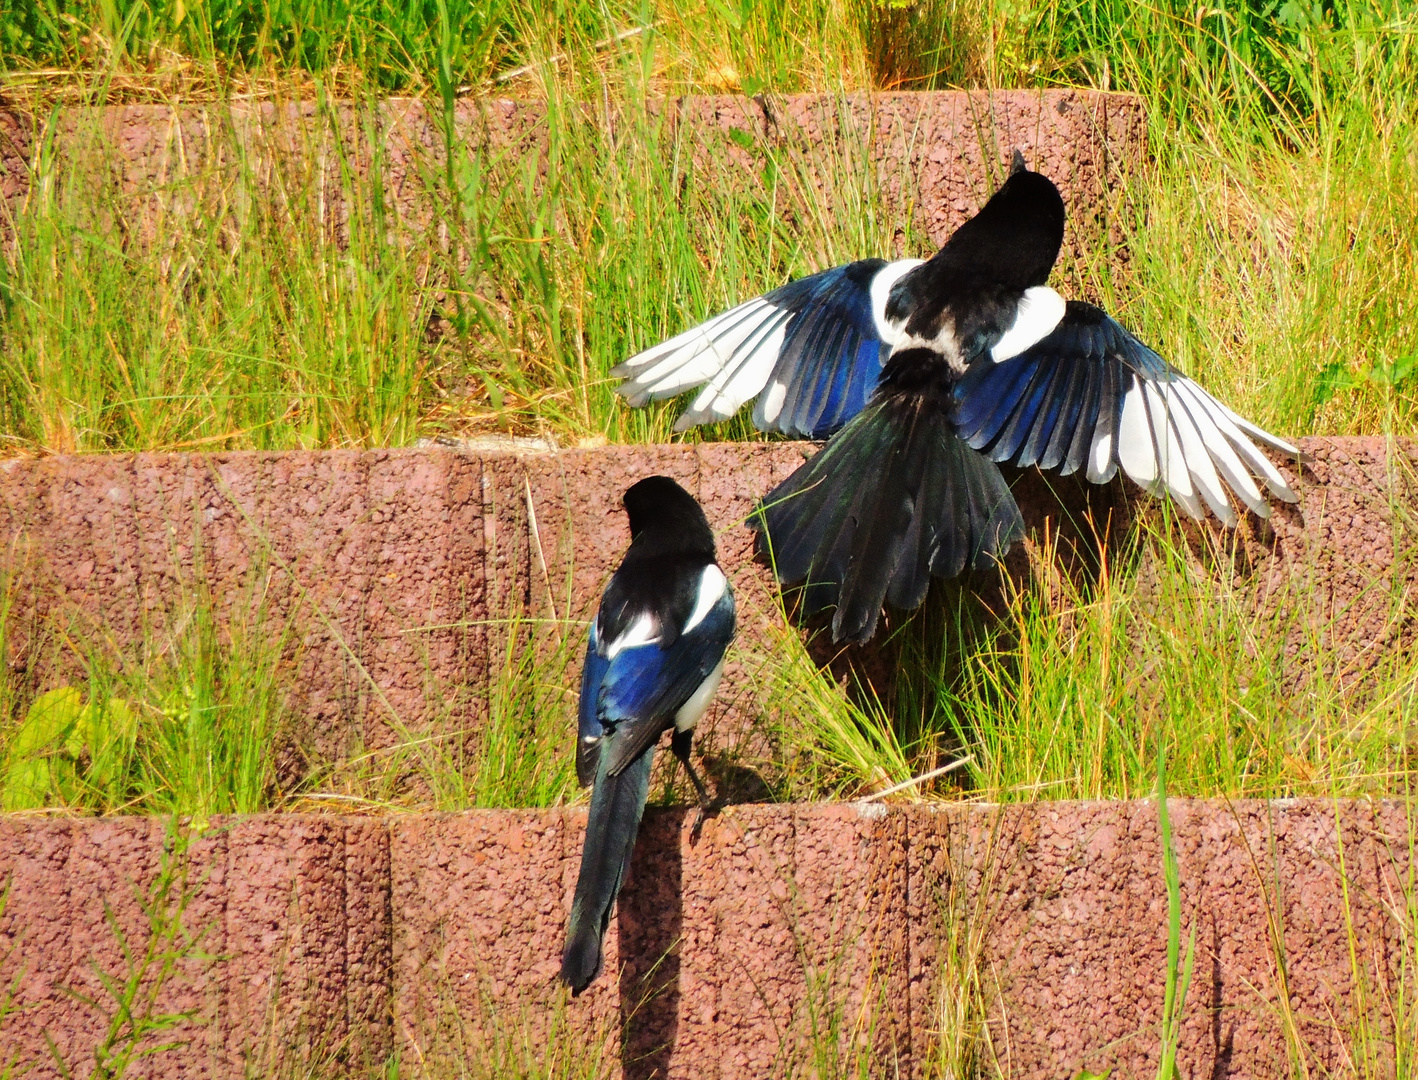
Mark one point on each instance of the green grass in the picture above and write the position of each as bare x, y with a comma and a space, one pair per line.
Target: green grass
1066, 686
1269, 240
1072, 691
188, 720
512, 748
1270, 251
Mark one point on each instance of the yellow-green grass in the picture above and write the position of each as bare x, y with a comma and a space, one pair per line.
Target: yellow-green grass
1270, 240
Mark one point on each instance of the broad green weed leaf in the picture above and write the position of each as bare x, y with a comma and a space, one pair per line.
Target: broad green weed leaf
110, 736
81, 734
27, 784
122, 720
51, 718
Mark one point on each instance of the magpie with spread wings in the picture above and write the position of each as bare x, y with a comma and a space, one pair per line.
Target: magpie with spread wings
924, 376
653, 661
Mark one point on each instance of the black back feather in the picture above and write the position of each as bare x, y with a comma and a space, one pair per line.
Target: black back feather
670, 543
894, 499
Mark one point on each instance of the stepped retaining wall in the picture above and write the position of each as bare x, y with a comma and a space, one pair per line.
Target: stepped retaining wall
773, 936
387, 573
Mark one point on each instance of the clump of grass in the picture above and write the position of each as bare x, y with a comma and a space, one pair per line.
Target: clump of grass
508, 744
1178, 974
1072, 691
148, 47
1267, 251
1268, 248
964, 901
304, 309
483, 1035
215, 326
186, 721
827, 743
1066, 685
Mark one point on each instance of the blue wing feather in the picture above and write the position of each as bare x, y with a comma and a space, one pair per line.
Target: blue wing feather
987, 396
831, 355
647, 682
646, 686
589, 728
1046, 405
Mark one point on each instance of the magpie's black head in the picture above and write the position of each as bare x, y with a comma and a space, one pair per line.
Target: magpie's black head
1015, 238
664, 517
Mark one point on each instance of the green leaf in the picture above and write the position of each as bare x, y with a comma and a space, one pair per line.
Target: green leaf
80, 735
110, 737
1337, 377
752, 86
728, 13
1393, 374
27, 785
1334, 379
50, 719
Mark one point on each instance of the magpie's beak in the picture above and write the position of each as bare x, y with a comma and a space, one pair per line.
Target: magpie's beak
1016, 163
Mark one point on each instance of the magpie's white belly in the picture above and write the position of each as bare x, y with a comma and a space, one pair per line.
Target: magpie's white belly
690, 712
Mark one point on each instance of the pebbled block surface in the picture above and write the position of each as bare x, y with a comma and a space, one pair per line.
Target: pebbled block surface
776, 939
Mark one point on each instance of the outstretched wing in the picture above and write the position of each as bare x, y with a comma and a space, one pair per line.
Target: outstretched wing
1091, 396
812, 349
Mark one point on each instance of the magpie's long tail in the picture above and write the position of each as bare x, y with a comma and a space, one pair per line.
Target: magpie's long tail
894, 498
617, 803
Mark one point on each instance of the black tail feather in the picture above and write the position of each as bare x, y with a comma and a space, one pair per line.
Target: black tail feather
894, 499
617, 803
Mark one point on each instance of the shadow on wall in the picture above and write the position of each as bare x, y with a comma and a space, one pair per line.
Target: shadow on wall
650, 916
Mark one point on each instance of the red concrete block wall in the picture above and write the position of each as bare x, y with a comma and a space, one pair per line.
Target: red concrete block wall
386, 566
945, 152
937, 154
260, 941
775, 938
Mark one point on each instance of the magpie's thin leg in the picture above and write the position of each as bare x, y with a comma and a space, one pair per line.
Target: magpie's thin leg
679, 745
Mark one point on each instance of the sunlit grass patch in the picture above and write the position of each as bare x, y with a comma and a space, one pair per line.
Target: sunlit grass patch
1266, 245
1070, 694
187, 720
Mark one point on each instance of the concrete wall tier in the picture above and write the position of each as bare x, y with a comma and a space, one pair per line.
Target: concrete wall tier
388, 569
772, 937
934, 156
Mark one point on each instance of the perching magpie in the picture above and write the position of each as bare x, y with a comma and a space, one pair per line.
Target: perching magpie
653, 662
927, 374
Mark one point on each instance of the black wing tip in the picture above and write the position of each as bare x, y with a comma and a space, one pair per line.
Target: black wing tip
859, 630
581, 963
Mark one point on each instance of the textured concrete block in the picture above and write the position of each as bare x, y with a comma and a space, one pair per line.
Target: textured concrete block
399, 582
942, 153
937, 153
774, 939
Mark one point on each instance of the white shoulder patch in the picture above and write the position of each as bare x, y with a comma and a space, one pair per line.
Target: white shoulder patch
712, 586
690, 712
643, 631
886, 277
1039, 312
